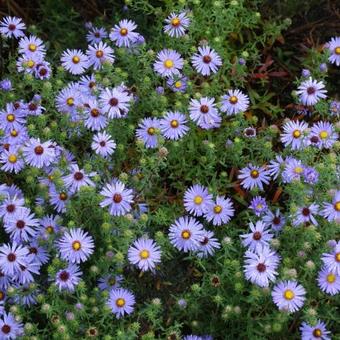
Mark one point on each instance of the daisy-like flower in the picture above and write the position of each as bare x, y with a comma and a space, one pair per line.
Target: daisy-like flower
253, 177
261, 265
288, 296
9, 327
115, 102
220, 212
11, 206
39, 154
74, 61
259, 205
310, 175
334, 48
68, 100
177, 83
176, 24
28, 64
258, 237
123, 34
173, 126
197, 199
109, 282
234, 102
328, 281
311, 91
59, 198
186, 234
75, 246
94, 120
68, 278
24, 274
331, 211
48, 225
78, 178
32, 46
146, 131
332, 260
11, 119
208, 244
168, 63
117, 197
6, 85
12, 257
293, 134
99, 54
145, 254
121, 302
204, 113
293, 170
12, 27
38, 253
276, 220
103, 145
206, 61
306, 215
317, 332
95, 35
43, 70
322, 135
11, 160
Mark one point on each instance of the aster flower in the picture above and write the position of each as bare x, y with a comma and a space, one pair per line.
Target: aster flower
176, 24
9, 327
121, 302
206, 61
33, 108
5, 85
334, 48
259, 205
115, 102
331, 211
48, 226
310, 175
68, 100
59, 198
11, 206
204, 113
261, 266
168, 63
275, 220
11, 160
75, 246
28, 64
96, 34
288, 296
220, 212
78, 178
123, 34
38, 253
99, 54
311, 91
328, 281
12, 27
208, 244
293, 134
293, 171
259, 236
88, 85
39, 154
173, 126
68, 278
334, 108
145, 254
147, 132
94, 118
74, 61
11, 118
103, 145
186, 234
117, 197
109, 281
32, 46
12, 257
24, 274
177, 83
306, 215
322, 135
253, 177
332, 260
26, 296
234, 102
196, 200
317, 332
42, 70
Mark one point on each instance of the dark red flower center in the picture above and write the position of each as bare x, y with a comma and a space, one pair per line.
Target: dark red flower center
42, 71
64, 276
32, 106
6, 329
261, 267
33, 250
10, 208
12, 27
39, 150
95, 113
102, 143
11, 257
207, 59
276, 220
311, 90
117, 198
20, 224
257, 236
314, 139
204, 108
78, 176
113, 102
205, 241
305, 212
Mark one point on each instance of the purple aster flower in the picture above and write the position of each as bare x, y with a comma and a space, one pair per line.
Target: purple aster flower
261, 266
32, 46
305, 73
12, 257
38, 253
186, 234
275, 166
75, 246
59, 198
311, 176
234, 102
48, 226
317, 332
78, 178
26, 295
331, 211
9, 327
334, 108
177, 83
259, 205
15, 137
168, 63
94, 120
12, 27
173, 126
68, 278
28, 64
145, 254
43, 70
11, 119
305, 215
11, 206
74, 61
24, 274
115, 102
103, 145
293, 171
99, 54
334, 49
11, 160
220, 212
96, 34
328, 281
258, 237
276, 220
311, 91
33, 108
5, 85
323, 134
5, 282
332, 260
176, 24
117, 197
208, 244
121, 302
39, 154
288, 296
206, 61
293, 134
88, 85
109, 282
123, 34
197, 199
147, 132
68, 100
204, 113
253, 177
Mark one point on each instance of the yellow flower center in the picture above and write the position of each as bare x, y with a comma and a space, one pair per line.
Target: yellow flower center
50, 229
2, 295
10, 117
12, 158
175, 22
337, 206
186, 234
70, 101
331, 278
198, 199
14, 133
151, 131
99, 54
75, 59
296, 133
144, 254
298, 170
30, 63
123, 32
337, 257
317, 333
323, 134
259, 206
120, 302
76, 245
174, 123
168, 63
233, 100
178, 84
32, 47
337, 50
254, 174
217, 209
288, 294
